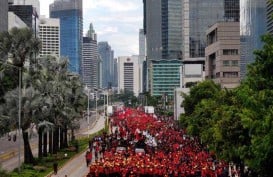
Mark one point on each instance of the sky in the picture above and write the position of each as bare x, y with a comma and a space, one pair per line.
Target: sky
115, 21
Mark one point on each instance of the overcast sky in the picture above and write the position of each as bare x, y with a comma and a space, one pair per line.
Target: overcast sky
115, 21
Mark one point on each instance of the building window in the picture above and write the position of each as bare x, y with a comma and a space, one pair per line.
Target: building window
230, 74
230, 52
235, 63
226, 63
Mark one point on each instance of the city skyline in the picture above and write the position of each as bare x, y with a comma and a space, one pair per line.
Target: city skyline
115, 21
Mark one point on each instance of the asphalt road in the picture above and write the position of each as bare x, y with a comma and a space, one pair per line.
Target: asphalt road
9, 156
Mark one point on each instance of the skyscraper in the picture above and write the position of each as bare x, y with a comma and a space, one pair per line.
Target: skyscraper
152, 28
142, 61
171, 29
24, 12
128, 74
4, 15
252, 26
28, 11
269, 13
70, 14
197, 17
107, 57
49, 34
162, 27
90, 59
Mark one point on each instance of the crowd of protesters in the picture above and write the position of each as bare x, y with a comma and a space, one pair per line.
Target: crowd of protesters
141, 144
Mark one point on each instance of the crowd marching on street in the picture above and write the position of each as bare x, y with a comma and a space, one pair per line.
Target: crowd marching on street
140, 144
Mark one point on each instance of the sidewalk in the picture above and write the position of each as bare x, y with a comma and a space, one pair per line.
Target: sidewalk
76, 167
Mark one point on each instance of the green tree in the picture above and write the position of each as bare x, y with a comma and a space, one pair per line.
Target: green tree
19, 45
259, 119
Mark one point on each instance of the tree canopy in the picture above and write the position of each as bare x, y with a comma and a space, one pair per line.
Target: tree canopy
237, 124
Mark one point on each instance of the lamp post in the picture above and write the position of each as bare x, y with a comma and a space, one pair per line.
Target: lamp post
107, 109
103, 104
88, 112
96, 104
19, 117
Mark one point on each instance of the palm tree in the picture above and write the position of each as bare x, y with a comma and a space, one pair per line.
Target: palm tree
29, 97
18, 45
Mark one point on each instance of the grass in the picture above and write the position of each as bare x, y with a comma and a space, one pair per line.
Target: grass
44, 166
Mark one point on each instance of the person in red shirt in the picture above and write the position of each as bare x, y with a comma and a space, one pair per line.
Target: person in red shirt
87, 158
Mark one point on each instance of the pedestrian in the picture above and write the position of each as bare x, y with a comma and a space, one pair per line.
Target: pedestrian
87, 158
55, 168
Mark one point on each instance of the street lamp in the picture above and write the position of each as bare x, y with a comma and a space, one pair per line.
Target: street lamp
87, 89
107, 121
19, 117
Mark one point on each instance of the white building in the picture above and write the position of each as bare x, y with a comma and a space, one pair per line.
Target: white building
128, 74
49, 34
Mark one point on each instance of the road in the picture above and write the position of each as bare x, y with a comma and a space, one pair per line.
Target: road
76, 167
9, 158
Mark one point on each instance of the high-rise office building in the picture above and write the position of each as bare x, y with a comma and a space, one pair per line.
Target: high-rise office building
34, 3
28, 11
49, 34
4, 15
128, 74
152, 28
15, 21
252, 26
197, 17
70, 14
107, 57
90, 59
165, 76
223, 54
176, 29
142, 60
171, 29
162, 27
232, 10
24, 12
269, 16
115, 74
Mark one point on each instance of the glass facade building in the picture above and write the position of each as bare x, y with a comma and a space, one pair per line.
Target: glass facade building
4, 15
232, 10
90, 63
24, 12
162, 27
152, 28
269, 13
171, 29
165, 76
70, 14
107, 57
252, 26
197, 16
